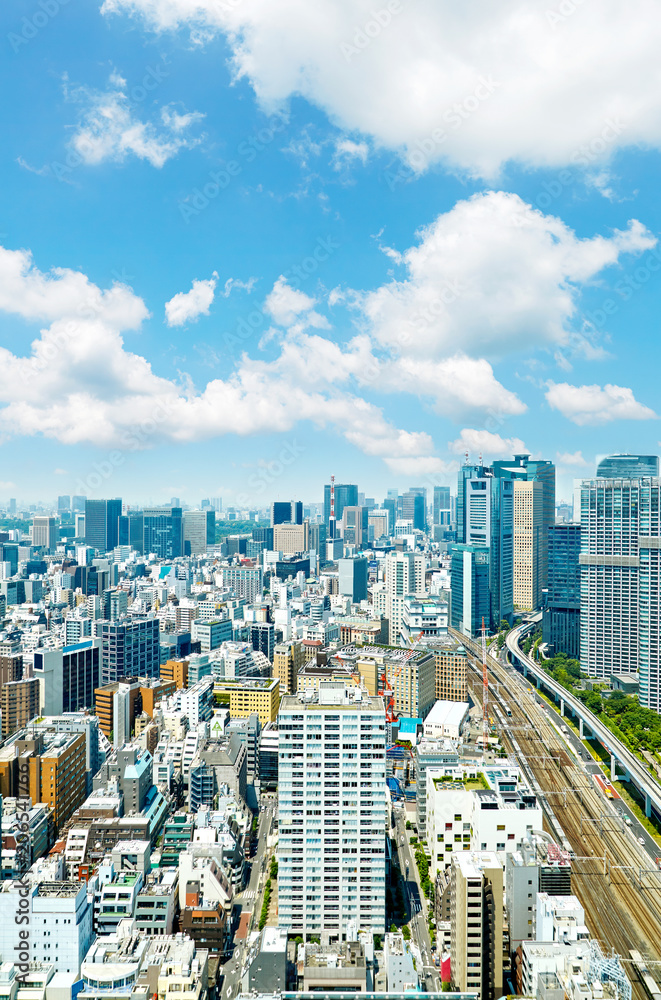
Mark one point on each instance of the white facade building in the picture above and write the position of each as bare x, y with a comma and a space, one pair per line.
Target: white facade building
60, 922
405, 575
470, 810
332, 812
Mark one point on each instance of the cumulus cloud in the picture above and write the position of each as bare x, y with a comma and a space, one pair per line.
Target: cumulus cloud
288, 306
495, 276
485, 443
185, 307
590, 404
108, 128
80, 385
473, 85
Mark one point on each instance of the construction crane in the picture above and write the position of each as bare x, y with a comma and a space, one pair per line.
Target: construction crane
389, 695
485, 690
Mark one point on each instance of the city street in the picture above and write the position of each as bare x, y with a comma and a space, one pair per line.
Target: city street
249, 900
417, 905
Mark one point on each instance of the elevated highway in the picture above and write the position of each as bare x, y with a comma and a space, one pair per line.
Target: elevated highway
635, 770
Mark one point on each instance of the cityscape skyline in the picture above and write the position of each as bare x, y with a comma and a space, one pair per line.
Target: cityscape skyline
265, 270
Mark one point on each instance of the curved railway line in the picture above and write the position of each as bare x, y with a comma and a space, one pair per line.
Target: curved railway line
611, 874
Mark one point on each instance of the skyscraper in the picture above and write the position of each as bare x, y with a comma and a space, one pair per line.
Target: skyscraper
102, 523
527, 544
345, 496
129, 649
353, 579
414, 507
199, 528
628, 467
44, 533
442, 505
561, 620
621, 583
64, 503
470, 594
163, 532
286, 512
405, 575
522, 467
332, 813
485, 519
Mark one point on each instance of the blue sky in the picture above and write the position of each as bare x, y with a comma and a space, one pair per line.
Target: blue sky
386, 235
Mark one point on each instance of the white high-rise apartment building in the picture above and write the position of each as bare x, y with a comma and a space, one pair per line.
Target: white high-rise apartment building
405, 575
332, 812
527, 543
621, 582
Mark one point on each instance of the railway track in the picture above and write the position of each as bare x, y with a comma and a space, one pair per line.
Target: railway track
612, 879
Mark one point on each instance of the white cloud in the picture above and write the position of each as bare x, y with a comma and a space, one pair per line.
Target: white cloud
346, 151
108, 128
288, 306
590, 404
80, 385
486, 444
495, 276
232, 283
184, 307
475, 85
571, 458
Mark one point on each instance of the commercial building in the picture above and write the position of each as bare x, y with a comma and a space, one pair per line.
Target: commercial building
212, 633
262, 638
485, 520
252, 696
59, 922
355, 526
116, 706
163, 532
537, 865
404, 577
476, 907
266, 964
451, 671
541, 516
628, 467
528, 548
442, 505
291, 539
52, 770
446, 720
288, 658
199, 531
424, 618
346, 495
470, 595
67, 676
245, 581
129, 649
561, 614
44, 533
175, 671
286, 512
352, 579
430, 754
20, 704
477, 809
102, 523
620, 582
332, 813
